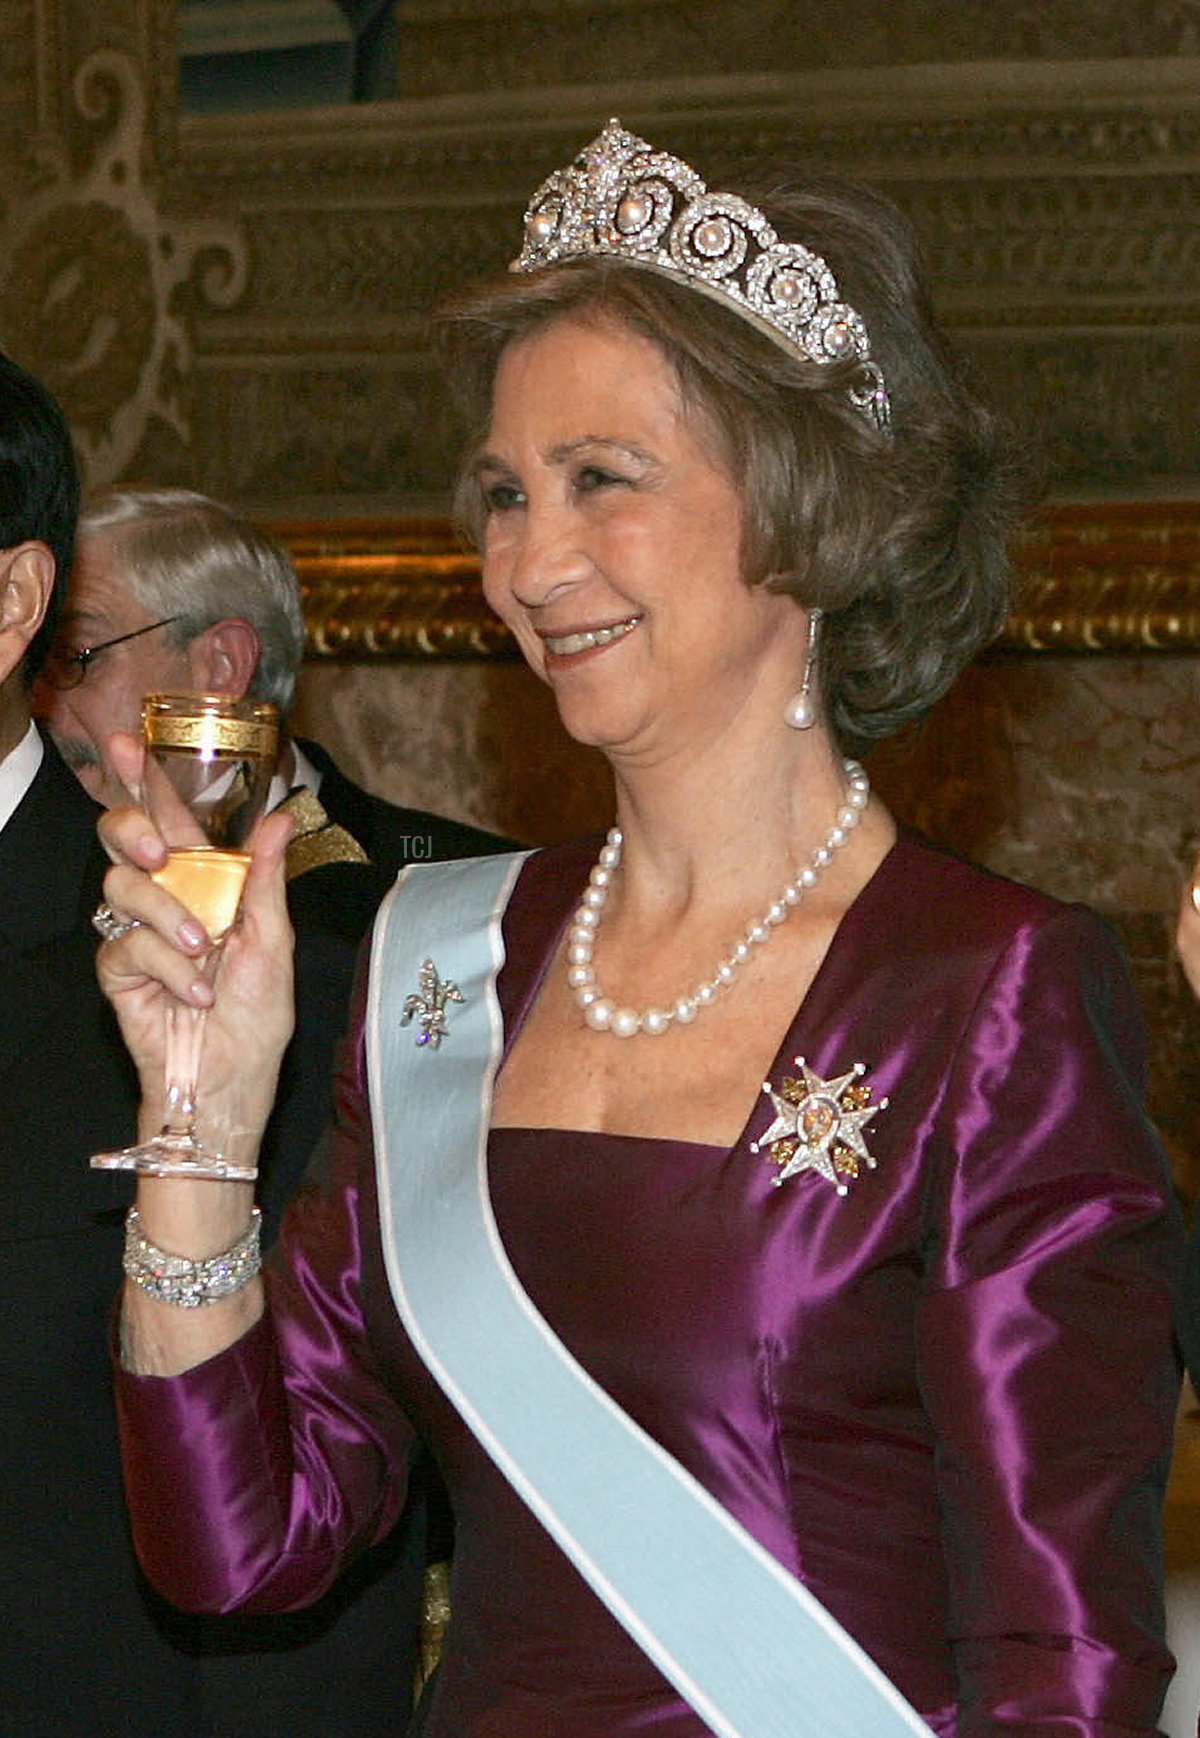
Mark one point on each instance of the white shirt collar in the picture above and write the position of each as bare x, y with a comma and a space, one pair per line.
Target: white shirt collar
18, 771
303, 773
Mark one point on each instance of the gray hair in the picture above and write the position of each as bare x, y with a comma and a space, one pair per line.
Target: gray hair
187, 556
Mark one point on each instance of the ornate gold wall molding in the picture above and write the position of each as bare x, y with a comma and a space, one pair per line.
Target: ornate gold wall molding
1103, 578
455, 45
1042, 191
1056, 202
391, 588
1123, 577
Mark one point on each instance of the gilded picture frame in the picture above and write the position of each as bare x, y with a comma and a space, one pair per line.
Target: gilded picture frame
1103, 578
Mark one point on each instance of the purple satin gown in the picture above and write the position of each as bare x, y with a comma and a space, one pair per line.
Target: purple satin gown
944, 1399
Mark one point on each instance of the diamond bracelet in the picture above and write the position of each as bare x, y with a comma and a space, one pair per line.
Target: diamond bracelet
174, 1279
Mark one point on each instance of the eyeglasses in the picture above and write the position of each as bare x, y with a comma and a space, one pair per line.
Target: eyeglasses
64, 669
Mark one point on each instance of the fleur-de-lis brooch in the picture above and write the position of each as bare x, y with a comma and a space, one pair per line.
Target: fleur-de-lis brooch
428, 1003
818, 1126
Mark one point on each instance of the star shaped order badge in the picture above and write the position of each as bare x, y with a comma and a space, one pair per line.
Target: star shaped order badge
819, 1126
427, 1005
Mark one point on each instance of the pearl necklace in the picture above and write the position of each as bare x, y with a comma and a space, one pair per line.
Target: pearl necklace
602, 1015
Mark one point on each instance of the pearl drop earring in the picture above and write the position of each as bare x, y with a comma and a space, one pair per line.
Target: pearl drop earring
801, 711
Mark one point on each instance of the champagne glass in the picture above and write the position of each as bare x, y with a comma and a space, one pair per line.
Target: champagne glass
207, 772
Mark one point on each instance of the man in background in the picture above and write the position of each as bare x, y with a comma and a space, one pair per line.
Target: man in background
173, 592
85, 1648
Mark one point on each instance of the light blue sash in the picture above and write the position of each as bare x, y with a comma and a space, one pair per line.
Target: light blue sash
750, 1648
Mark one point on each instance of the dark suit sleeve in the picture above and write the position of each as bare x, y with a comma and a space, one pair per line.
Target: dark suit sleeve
392, 835
1189, 1307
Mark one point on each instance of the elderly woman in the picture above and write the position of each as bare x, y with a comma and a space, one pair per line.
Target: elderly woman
756, 1212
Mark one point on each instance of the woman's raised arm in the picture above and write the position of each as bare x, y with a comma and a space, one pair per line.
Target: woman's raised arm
248, 1024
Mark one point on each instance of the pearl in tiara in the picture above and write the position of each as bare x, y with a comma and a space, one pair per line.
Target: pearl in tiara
623, 199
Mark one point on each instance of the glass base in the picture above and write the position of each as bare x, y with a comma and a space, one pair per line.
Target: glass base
175, 1156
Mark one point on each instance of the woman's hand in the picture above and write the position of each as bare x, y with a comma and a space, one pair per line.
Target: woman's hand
156, 962
250, 1012
1187, 932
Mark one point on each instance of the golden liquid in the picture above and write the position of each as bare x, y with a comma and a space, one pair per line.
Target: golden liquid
208, 882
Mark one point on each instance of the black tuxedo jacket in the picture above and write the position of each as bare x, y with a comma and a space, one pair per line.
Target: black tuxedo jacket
85, 1650
391, 835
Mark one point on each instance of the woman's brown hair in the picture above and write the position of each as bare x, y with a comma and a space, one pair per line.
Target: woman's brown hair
901, 537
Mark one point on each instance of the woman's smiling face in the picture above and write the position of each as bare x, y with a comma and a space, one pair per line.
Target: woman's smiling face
612, 546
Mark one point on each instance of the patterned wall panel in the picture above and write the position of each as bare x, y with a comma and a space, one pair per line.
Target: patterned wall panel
240, 301
1056, 205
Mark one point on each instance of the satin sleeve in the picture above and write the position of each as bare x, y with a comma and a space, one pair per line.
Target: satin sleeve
1045, 1348
255, 1478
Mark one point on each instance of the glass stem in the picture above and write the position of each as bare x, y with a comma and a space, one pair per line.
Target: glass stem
184, 1045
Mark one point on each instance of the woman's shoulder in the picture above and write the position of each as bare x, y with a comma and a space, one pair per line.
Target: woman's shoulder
558, 871
963, 937
927, 889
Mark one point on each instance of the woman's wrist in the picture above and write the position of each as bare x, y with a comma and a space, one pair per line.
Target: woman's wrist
197, 1219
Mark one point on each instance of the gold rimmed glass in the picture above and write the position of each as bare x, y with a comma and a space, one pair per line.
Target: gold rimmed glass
207, 773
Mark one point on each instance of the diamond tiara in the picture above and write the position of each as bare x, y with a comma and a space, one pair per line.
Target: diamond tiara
622, 198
